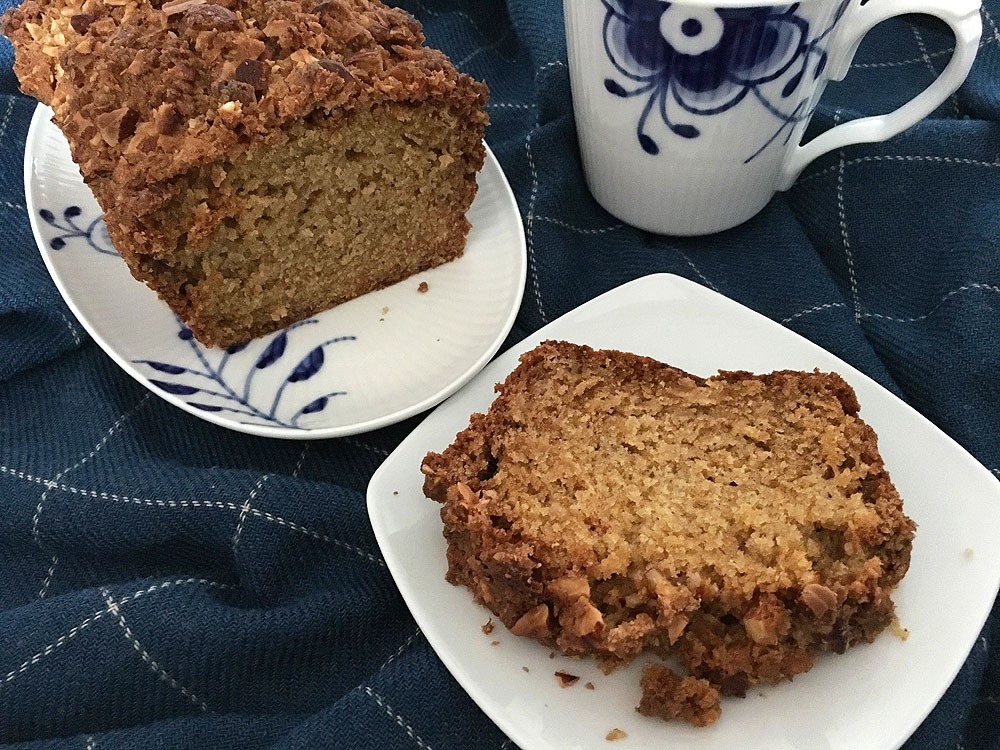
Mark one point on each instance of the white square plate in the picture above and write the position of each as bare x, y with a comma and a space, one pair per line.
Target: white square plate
871, 698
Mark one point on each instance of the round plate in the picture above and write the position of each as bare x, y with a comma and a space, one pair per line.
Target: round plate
364, 364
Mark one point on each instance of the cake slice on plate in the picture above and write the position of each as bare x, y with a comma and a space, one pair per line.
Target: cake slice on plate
608, 503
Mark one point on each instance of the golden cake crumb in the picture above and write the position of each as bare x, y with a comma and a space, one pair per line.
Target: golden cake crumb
615, 734
667, 695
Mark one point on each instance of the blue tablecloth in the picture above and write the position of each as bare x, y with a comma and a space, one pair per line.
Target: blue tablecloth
166, 583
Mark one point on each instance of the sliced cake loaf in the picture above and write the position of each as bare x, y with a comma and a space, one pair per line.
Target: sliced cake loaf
259, 161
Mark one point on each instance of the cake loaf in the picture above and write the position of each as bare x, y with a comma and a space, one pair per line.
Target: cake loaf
258, 161
608, 503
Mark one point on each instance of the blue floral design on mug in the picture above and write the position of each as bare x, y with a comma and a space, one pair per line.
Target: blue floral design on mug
690, 62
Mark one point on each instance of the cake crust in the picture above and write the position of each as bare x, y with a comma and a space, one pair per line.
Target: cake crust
608, 503
145, 91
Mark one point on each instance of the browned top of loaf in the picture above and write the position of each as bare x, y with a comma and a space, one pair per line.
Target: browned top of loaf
145, 90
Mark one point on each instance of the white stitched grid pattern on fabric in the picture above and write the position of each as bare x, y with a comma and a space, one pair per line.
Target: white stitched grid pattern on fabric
36, 518
844, 236
90, 619
115, 609
193, 504
900, 158
834, 305
406, 727
529, 230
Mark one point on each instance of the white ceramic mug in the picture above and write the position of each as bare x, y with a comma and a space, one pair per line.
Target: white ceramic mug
690, 114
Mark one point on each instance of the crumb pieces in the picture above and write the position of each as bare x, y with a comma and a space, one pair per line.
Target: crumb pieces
898, 630
422, 287
667, 695
566, 679
385, 310
487, 626
525, 669
552, 654
589, 685
494, 643
615, 734
395, 492
968, 553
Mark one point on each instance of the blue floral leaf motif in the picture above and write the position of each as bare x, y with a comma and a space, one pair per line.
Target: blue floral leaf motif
793, 83
47, 215
178, 389
72, 212
686, 131
615, 88
314, 406
235, 348
648, 144
820, 64
185, 334
308, 367
166, 367
204, 407
57, 243
275, 350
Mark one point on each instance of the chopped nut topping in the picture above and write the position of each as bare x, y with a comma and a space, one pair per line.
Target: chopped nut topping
174, 7
615, 734
570, 588
487, 626
81, 22
582, 618
534, 623
465, 494
336, 67
253, 72
566, 679
767, 621
302, 56
818, 598
589, 685
208, 17
117, 125
167, 119
422, 287
236, 91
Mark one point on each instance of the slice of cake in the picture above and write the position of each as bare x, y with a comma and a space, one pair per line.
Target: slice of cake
259, 161
607, 503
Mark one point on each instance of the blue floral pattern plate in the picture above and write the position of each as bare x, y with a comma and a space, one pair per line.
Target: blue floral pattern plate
365, 364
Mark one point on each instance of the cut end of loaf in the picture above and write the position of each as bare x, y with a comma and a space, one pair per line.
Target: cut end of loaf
315, 216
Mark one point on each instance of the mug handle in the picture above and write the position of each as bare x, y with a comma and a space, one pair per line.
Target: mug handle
963, 18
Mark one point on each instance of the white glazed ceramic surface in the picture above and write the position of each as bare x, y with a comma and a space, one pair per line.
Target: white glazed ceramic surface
871, 698
689, 113
365, 364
